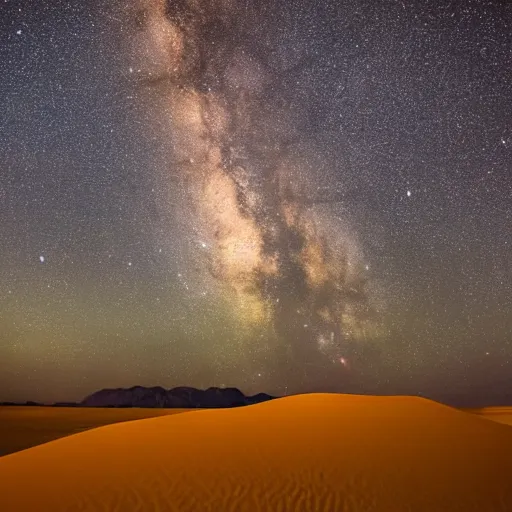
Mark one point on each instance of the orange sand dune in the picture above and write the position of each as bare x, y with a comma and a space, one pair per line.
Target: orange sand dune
499, 414
317, 453
22, 427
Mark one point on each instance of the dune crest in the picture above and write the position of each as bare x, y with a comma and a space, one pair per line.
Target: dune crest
306, 453
501, 414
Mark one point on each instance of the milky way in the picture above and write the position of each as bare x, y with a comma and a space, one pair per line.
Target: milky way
275, 246
280, 196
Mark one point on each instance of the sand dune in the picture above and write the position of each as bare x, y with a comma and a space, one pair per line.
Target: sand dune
317, 453
22, 427
499, 414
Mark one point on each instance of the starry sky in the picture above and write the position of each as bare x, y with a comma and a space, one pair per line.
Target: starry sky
279, 196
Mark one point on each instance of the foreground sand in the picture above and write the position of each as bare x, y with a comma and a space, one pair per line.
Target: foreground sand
22, 427
318, 453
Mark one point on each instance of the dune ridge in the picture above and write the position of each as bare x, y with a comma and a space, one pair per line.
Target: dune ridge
306, 453
22, 427
501, 414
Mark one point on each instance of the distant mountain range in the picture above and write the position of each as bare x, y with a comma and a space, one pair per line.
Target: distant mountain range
180, 397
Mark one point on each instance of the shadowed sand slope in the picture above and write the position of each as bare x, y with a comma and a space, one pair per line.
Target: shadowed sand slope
22, 427
499, 414
315, 453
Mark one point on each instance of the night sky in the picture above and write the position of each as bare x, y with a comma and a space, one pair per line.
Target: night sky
279, 196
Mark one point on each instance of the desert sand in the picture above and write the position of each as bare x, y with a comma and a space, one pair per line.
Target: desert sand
499, 414
22, 427
317, 453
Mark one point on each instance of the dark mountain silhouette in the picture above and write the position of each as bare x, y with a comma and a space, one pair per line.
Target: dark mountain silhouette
181, 397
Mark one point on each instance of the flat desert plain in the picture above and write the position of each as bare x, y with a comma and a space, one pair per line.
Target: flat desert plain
314, 453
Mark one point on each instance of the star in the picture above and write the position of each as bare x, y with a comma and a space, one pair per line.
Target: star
272, 174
